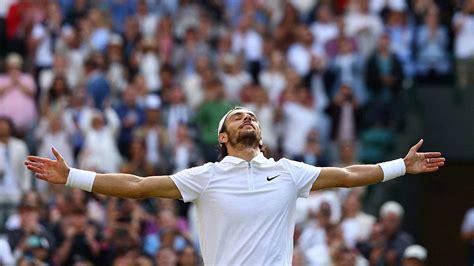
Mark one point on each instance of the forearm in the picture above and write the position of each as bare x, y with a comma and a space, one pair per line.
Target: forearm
359, 175
118, 185
363, 175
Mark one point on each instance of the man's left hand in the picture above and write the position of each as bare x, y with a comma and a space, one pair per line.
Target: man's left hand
422, 162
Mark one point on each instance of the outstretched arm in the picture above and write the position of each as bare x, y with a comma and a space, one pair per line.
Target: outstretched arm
118, 185
362, 175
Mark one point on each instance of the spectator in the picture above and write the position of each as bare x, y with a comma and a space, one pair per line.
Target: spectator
116, 72
56, 99
166, 256
30, 237
77, 12
432, 45
100, 151
384, 77
295, 110
6, 256
248, 43
131, 116
192, 84
51, 133
234, 78
324, 27
188, 256
147, 19
137, 163
167, 235
45, 35
76, 238
314, 233
414, 255
273, 78
391, 215
14, 180
304, 56
17, 94
185, 153
356, 225
365, 26
463, 25
131, 40
467, 234
176, 112
155, 135
97, 86
186, 55
402, 35
208, 115
345, 113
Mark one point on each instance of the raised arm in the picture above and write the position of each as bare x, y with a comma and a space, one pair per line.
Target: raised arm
118, 185
361, 175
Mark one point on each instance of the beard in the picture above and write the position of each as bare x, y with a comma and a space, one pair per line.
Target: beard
245, 139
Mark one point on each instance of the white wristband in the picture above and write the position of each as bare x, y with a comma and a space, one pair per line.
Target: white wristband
392, 169
81, 179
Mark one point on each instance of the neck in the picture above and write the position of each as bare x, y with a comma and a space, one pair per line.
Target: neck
3, 139
244, 153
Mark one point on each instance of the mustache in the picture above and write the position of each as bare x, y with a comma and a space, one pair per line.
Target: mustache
246, 123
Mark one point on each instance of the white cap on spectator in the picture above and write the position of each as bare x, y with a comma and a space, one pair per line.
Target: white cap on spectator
397, 5
415, 252
153, 102
14, 59
115, 39
391, 207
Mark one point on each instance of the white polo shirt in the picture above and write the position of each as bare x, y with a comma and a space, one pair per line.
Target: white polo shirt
246, 210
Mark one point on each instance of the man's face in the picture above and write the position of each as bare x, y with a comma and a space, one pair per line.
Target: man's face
242, 128
391, 223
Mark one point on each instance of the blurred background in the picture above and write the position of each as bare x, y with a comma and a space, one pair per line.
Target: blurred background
139, 86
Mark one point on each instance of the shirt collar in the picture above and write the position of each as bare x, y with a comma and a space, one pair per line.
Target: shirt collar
260, 159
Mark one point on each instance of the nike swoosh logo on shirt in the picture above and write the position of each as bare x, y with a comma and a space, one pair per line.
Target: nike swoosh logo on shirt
271, 178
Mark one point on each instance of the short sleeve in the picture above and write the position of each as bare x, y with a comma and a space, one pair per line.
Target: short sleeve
468, 223
193, 181
304, 176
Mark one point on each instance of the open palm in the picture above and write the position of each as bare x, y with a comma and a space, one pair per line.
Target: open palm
53, 171
422, 162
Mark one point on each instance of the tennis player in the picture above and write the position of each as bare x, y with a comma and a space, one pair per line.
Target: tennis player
245, 202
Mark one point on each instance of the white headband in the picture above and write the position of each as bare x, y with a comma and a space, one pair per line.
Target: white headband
221, 123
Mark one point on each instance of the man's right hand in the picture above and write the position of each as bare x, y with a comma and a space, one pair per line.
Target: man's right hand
53, 171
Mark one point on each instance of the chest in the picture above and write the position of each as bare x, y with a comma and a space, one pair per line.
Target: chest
249, 191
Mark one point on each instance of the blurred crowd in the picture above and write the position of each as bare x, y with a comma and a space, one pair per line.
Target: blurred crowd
139, 86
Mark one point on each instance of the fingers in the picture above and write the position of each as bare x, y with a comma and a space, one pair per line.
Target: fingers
417, 146
57, 155
39, 159
35, 167
431, 169
435, 160
432, 154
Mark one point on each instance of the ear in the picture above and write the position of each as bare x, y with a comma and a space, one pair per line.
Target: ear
223, 138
